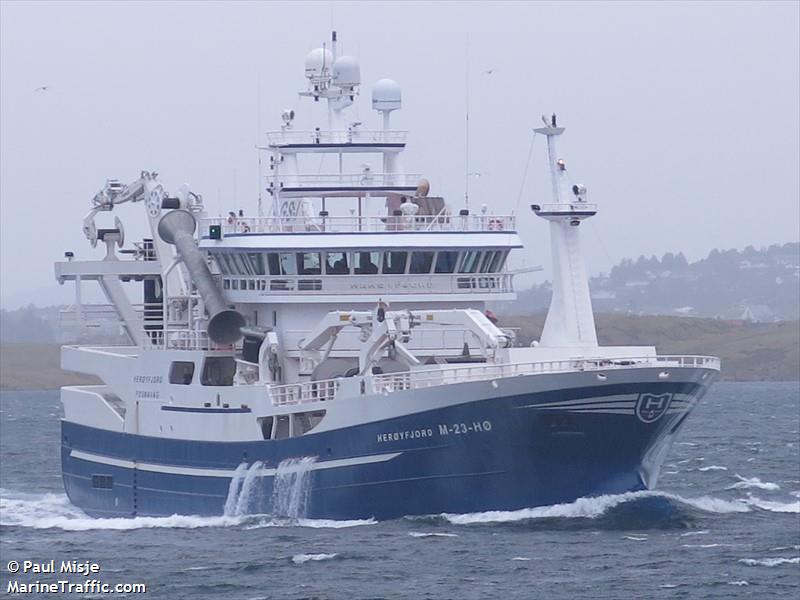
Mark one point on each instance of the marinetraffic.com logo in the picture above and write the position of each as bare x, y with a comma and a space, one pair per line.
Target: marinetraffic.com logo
651, 407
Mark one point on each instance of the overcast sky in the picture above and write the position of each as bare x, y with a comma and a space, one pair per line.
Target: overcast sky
682, 118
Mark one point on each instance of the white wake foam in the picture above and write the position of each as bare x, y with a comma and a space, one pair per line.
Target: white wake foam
299, 559
422, 534
772, 506
54, 511
769, 562
591, 508
312, 523
753, 482
712, 468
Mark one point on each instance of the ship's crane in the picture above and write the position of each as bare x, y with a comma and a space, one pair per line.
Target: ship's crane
388, 331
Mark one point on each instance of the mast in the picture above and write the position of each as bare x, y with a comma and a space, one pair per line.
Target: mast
570, 320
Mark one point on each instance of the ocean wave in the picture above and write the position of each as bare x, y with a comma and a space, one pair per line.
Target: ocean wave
599, 506
635, 538
712, 468
521, 558
753, 482
772, 506
300, 559
769, 562
54, 511
741, 582
419, 534
268, 521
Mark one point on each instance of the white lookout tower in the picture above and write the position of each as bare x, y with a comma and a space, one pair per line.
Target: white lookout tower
570, 321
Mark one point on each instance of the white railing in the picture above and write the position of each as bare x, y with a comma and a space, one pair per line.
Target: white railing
347, 180
346, 136
460, 283
433, 377
87, 314
298, 393
353, 224
183, 339
568, 207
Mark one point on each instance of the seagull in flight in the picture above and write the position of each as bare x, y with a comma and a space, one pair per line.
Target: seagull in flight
41, 88
488, 71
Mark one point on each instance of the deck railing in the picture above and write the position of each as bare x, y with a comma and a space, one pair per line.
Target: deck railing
354, 224
428, 378
296, 393
345, 136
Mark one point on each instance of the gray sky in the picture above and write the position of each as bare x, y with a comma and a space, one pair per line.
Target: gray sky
682, 118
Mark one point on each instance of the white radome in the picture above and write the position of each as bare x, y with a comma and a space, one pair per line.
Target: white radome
346, 72
386, 95
318, 60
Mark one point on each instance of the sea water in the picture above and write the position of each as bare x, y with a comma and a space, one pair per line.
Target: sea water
724, 523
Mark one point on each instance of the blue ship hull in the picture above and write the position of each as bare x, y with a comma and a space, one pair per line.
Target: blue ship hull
498, 454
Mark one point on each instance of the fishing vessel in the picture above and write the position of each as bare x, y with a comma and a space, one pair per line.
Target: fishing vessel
332, 356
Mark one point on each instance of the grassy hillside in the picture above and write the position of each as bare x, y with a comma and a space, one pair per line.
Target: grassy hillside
35, 367
749, 351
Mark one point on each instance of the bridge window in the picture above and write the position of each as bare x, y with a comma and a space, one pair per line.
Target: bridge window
366, 263
498, 261
218, 370
308, 263
394, 263
446, 261
470, 261
288, 264
257, 262
181, 372
421, 262
336, 263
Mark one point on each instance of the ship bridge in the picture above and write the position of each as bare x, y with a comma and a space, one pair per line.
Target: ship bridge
432, 258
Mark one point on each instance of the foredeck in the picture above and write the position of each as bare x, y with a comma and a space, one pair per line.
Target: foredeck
324, 390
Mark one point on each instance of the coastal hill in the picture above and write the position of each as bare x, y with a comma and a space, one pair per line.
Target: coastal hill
749, 351
760, 285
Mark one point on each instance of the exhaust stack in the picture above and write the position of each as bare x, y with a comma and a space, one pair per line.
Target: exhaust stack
224, 324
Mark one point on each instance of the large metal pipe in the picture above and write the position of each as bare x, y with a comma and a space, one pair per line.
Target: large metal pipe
224, 324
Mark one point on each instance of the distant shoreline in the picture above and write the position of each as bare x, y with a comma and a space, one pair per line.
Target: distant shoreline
749, 351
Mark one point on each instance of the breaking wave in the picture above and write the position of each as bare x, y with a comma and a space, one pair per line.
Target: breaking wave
769, 562
54, 511
632, 510
299, 559
753, 482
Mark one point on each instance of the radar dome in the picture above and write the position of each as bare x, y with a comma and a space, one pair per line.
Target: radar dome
386, 95
317, 60
346, 72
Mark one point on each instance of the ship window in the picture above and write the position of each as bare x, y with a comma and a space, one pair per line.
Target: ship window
218, 370
446, 261
257, 262
421, 262
242, 264
274, 264
281, 427
181, 372
470, 261
102, 482
498, 261
488, 259
288, 264
306, 421
394, 263
336, 263
265, 423
223, 266
308, 263
366, 263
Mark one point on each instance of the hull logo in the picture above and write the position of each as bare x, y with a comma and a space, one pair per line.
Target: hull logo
651, 407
